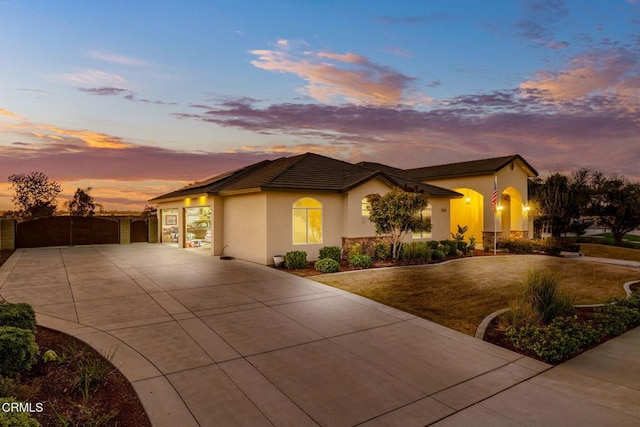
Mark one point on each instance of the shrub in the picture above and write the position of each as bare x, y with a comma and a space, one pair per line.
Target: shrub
381, 251
616, 317
295, 259
545, 297
19, 315
559, 340
361, 261
332, 252
444, 248
518, 246
438, 255
15, 418
18, 350
355, 249
453, 245
433, 244
463, 247
327, 265
416, 251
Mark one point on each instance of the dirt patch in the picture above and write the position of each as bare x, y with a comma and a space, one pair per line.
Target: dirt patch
109, 400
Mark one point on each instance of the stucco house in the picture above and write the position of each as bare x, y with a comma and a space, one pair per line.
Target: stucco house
309, 201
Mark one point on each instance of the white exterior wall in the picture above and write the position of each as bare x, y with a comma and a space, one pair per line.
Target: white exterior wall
280, 224
245, 227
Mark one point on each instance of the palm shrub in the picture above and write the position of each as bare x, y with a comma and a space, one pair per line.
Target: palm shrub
327, 265
332, 252
295, 259
543, 293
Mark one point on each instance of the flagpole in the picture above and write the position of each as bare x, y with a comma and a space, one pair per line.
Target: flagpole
494, 200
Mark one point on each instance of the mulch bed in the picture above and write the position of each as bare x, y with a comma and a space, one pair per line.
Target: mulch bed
54, 384
344, 264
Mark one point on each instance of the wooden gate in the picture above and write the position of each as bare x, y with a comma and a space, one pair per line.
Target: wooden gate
139, 231
67, 230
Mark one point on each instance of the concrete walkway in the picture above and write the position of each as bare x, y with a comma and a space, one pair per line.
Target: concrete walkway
215, 343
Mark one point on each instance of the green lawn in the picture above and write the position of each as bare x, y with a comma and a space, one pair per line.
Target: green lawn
460, 294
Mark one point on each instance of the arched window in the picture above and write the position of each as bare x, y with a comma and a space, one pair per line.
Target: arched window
365, 207
426, 214
307, 221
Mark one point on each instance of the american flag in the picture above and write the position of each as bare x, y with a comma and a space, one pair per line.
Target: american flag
494, 195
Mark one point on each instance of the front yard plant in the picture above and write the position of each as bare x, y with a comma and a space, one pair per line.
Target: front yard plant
295, 259
543, 322
332, 252
327, 265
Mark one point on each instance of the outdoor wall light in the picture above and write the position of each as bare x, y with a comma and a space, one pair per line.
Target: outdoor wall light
467, 200
500, 207
526, 209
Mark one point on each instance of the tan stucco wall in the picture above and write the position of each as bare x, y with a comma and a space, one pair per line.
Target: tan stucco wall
440, 215
357, 225
245, 227
279, 223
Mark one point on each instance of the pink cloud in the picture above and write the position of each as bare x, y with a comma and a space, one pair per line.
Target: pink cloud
615, 73
342, 77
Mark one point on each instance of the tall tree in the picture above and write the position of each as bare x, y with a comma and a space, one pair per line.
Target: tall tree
616, 203
82, 203
396, 214
34, 195
555, 202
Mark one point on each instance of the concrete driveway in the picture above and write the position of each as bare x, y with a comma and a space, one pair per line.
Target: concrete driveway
215, 343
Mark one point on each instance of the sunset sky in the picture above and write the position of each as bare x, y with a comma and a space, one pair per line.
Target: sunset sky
137, 98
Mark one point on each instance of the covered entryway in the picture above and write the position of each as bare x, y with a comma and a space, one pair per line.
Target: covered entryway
66, 231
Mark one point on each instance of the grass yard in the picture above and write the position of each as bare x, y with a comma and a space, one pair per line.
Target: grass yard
460, 294
607, 251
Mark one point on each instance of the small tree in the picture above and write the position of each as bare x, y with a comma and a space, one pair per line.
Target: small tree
34, 195
82, 203
396, 214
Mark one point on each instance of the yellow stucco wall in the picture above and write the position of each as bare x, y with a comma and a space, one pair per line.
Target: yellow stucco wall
512, 182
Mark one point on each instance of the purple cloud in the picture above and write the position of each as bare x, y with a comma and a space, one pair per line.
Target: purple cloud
104, 91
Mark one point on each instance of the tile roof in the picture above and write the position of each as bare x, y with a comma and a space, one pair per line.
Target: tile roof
307, 171
471, 168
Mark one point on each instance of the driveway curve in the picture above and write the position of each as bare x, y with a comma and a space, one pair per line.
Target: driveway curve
207, 342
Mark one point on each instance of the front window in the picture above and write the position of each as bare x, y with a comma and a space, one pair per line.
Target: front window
307, 221
425, 214
366, 208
